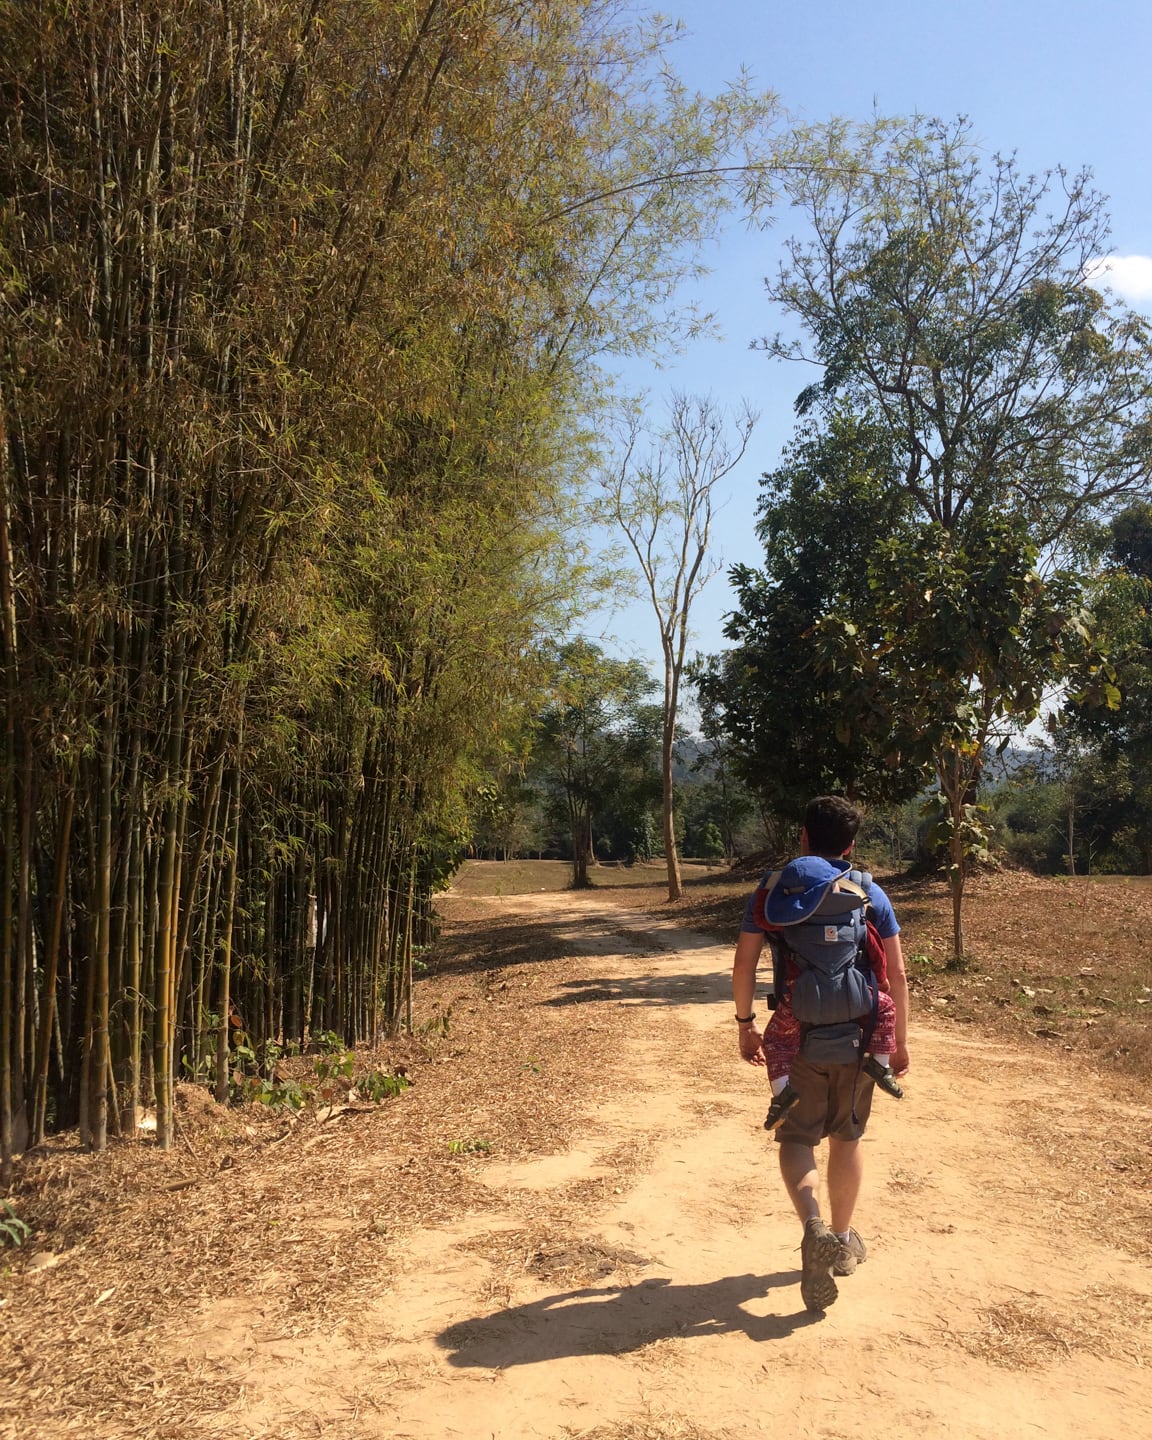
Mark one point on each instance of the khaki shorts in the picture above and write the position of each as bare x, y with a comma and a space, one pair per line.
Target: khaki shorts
825, 1105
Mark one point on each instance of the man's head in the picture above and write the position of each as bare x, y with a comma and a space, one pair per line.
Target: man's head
830, 825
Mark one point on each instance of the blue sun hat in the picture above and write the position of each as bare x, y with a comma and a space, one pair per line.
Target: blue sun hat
803, 883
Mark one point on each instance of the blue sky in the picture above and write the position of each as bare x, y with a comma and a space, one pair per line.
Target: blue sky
1055, 83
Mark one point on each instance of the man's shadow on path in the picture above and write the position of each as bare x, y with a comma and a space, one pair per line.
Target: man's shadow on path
615, 1319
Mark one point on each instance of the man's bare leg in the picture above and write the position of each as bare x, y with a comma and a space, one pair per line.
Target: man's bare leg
801, 1178
819, 1250
802, 1181
845, 1172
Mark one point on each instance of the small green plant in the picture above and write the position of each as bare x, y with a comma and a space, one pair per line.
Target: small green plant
469, 1147
379, 1085
276, 1094
13, 1230
531, 1064
334, 1074
335, 1066
328, 1042
243, 1053
270, 1053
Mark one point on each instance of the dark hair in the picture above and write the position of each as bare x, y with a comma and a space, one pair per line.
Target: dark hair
831, 823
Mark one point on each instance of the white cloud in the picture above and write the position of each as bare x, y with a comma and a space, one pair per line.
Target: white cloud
1129, 276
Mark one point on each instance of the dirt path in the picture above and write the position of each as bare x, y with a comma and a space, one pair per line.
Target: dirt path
999, 1297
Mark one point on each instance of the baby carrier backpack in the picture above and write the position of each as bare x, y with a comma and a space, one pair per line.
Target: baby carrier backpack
816, 914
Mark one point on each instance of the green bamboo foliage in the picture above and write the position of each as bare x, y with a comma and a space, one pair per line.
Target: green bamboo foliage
297, 308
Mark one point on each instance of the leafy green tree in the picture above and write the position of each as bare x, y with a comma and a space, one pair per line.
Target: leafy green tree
1112, 729
644, 841
961, 639
823, 515
732, 805
596, 734
1044, 814
1122, 604
944, 294
946, 304
505, 818
713, 799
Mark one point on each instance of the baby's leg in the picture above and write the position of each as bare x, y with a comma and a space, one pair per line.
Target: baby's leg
884, 1031
883, 1042
781, 1045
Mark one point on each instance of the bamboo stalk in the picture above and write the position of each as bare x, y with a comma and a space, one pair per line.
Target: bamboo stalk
223, 1037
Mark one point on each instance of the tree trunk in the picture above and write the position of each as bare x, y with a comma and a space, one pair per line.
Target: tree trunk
99, 963
48, 1014
581, 828
1071, 836
956, 882
671, 854
956, 871
225, 995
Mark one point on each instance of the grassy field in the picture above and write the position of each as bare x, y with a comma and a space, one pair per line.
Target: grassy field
526, 877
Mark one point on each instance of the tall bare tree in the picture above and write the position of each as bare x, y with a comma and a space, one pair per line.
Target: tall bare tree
661, 492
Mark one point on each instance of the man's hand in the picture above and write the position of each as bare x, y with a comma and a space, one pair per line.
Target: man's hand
750, 1043
900, 1060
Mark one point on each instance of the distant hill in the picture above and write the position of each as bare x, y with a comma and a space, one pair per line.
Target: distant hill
690, 749
1005, 767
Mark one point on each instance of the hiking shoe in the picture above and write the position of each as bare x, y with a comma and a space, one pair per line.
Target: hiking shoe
819, 1251
883, 1076
780, 1106
853, 1252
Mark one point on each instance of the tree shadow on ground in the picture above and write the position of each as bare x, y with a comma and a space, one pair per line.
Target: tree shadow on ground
617, 1319
499, 944
482, 948
630, 933
646, 989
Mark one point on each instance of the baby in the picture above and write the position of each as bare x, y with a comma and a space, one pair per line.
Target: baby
781, 1045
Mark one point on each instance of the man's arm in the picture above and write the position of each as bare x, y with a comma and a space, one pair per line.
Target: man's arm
898, 988
748, 948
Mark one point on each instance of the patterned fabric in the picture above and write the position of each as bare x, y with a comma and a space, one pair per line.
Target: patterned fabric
782, 1035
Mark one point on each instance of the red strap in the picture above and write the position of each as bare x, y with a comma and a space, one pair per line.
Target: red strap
877, 955
759, 899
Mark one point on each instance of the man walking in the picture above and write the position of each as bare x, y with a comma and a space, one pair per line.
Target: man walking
833, 1100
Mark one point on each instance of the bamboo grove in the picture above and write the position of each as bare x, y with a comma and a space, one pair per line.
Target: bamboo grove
299, 305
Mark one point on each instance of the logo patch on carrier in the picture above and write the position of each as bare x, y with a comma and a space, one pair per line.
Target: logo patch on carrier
831, 934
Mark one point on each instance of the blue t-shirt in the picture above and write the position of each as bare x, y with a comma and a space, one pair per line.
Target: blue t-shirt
883, 916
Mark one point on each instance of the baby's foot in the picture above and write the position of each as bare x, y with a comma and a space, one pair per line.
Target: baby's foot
883, 1076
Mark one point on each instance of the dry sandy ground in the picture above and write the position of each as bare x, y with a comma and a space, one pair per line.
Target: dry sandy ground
999, 1299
